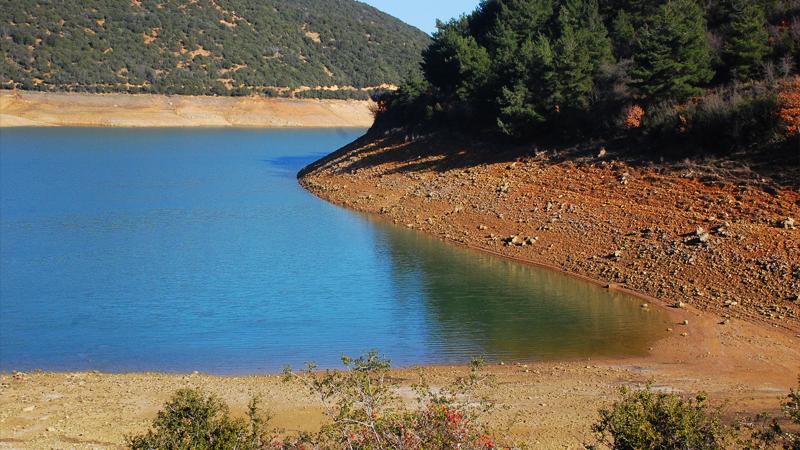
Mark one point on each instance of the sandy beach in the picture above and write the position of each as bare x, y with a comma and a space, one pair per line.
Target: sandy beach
37, 109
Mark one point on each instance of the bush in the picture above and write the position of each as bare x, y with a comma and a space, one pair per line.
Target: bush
192, 420
719, 122
650, 420
361, 403
365, 412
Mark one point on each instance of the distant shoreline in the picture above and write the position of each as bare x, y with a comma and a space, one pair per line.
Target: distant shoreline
46, 109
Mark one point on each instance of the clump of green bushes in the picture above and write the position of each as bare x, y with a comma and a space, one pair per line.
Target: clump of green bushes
193, 420
361, 403
365, 412
655, 420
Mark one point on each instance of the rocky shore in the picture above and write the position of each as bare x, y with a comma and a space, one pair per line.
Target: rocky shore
722, 239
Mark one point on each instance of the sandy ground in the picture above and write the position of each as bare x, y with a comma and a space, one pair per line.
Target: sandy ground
20, 108
744, 355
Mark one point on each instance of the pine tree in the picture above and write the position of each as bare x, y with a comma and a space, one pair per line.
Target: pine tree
449, 60
673, 56
526, 102
582, 47
748, 42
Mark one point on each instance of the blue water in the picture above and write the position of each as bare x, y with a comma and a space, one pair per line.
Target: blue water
180, 250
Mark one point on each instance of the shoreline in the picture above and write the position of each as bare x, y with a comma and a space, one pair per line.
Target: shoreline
742, 361
46, 109
464, 198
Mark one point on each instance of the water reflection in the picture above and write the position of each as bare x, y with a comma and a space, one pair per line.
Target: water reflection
480, 303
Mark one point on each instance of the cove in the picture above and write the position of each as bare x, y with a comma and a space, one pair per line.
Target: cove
178, 250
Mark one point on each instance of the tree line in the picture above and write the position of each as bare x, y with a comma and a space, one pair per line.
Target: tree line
524, 67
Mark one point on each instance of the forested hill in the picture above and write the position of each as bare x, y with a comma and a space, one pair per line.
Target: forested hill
224, 47
721, 74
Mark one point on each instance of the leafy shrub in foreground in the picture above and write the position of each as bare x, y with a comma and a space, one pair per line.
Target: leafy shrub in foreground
192, 420
652, 420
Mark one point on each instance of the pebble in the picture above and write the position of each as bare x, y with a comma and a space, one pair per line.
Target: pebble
686, 322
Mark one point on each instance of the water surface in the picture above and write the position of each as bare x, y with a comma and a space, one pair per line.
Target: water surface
181, 250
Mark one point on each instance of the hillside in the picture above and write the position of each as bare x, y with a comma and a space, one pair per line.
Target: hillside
223, 47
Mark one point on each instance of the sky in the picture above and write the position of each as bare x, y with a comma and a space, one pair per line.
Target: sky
423, 13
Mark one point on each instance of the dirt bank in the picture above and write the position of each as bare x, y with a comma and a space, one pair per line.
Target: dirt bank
19, 108
716, 239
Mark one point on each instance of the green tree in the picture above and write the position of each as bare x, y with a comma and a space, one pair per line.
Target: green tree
582, 47
526, 102
455, 63
748, 42
673, 56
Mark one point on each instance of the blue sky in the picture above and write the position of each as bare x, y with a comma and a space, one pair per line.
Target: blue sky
423, 13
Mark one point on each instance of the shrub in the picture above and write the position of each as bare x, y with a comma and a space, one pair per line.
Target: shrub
650, 420
192, 420
720, 121
366, 413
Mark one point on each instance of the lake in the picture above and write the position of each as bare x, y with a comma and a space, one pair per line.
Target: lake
196, 249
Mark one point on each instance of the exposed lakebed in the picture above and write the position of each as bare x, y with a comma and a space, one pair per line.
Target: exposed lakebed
180, 250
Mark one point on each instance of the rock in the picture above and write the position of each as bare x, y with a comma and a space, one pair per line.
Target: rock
679, 304
700, 236
602, 153
482, 227
684, 334
503, 187
686, 322
28, 408
645, 305
787, 223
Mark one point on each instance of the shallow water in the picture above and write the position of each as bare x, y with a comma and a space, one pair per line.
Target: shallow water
181, 250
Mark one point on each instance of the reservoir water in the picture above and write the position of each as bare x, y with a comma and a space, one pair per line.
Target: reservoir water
181, 250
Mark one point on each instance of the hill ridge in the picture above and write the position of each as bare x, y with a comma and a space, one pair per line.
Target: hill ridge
206, 47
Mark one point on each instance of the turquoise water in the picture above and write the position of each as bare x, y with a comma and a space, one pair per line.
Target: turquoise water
181, 250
